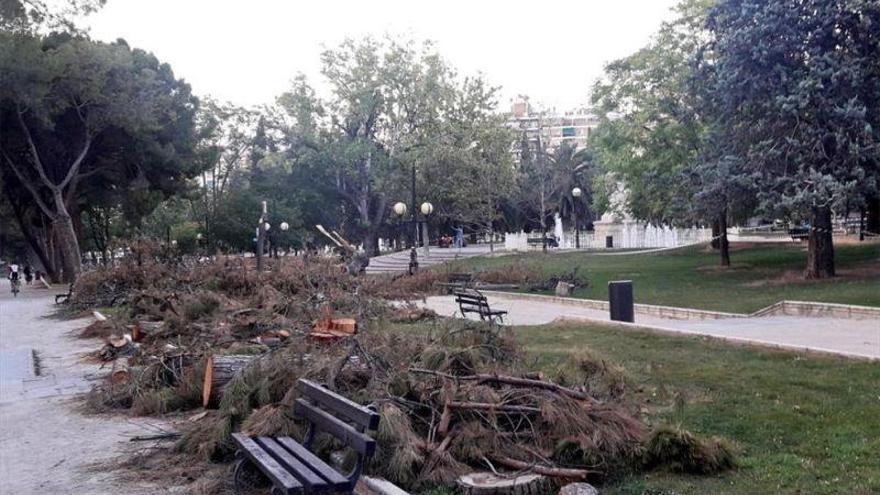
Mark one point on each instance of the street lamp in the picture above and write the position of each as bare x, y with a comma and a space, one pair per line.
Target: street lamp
426, 208
284, 226
576, 193
399, 209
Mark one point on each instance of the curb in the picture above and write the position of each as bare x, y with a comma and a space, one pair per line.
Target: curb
788, 308
738, 341
382, 486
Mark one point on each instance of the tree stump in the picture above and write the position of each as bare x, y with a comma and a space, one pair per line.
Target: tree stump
485, 483
219, 371
144, 328
121, 371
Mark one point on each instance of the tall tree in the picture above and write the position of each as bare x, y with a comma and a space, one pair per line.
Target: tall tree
796, 86
78, 115
390, 106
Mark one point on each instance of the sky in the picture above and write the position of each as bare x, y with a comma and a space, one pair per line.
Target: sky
247, 52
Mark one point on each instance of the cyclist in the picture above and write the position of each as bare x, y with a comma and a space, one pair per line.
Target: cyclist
14, 277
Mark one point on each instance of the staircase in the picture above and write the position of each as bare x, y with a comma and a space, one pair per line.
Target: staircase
398, 262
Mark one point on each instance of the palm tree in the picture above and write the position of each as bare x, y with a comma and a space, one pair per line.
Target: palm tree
571, 168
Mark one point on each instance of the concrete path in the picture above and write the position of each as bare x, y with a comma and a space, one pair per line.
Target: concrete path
849, 337
46, 444
399, 262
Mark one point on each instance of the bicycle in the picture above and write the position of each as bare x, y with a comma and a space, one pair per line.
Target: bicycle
16, 286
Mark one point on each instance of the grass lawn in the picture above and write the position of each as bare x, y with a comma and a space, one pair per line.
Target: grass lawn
807, 425
759, 276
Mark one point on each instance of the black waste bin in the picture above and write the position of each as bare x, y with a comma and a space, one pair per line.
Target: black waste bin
620, 300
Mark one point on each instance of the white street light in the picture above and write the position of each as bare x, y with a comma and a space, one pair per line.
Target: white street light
199, 236
267, 226
576, 193
284, 226
174, 242
427, 208
399, 209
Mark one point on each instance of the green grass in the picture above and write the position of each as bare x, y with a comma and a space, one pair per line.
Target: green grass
758, 277
806, 425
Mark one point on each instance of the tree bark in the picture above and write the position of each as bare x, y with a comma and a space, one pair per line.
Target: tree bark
820, 254
219, 371
716, 232
62, 224
723, 243
872, 223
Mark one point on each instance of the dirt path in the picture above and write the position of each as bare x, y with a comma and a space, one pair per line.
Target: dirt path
46, 444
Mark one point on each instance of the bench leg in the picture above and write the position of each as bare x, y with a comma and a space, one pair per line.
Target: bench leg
246, 476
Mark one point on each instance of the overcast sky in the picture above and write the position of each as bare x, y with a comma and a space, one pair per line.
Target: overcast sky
248, 51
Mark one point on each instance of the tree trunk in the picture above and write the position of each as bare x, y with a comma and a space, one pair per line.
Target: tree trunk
872, 223
723, 243
62, 224
820, 254
219, 371
716, 232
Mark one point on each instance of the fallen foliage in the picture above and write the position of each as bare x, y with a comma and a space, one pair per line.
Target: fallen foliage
456, 398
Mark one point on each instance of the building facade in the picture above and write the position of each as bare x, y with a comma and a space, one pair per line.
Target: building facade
554, 128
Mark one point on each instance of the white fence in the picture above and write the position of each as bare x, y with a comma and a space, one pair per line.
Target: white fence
633, 236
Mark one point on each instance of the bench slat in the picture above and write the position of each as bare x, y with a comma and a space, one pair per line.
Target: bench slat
302, 472
340, 405
268, 465
318, 465
336, 427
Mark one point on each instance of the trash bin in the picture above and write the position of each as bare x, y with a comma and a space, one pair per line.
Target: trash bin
620, 300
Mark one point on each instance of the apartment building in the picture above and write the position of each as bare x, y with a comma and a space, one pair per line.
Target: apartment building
554, 128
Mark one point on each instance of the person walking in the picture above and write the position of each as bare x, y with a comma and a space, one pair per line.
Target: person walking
459, 237
28, 274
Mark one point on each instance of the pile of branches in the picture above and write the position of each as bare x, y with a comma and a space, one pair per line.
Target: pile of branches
455, 396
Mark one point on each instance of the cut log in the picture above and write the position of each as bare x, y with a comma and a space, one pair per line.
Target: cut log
121, 371
499, 484
555, 472
219, 371
144, 328
98, 316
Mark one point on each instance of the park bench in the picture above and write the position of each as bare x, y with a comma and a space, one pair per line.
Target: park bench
292, 467
63, 298
799, 233
472, 301
537, 241
458, 281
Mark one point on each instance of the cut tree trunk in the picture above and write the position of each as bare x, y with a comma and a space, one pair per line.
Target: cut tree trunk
820, 254
144, 328
121, 371
494, 484
219, 371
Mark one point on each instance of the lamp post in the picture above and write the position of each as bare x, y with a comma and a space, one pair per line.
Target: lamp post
284, 226
399, 209
262, 227
427, 209
576, 193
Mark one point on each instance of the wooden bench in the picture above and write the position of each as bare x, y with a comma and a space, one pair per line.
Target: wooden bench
458, 281
537, 241
292, 467
63, 298
472, 301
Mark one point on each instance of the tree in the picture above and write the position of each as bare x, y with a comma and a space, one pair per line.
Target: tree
79, 117
28, 16
654, 137
796, 86
391, 108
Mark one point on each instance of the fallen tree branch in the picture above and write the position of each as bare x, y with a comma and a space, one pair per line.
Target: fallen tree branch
555, 472
487, 406
513, 381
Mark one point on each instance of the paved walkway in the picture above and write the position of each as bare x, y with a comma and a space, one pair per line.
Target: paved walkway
856, 338
46, 444
399, 262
